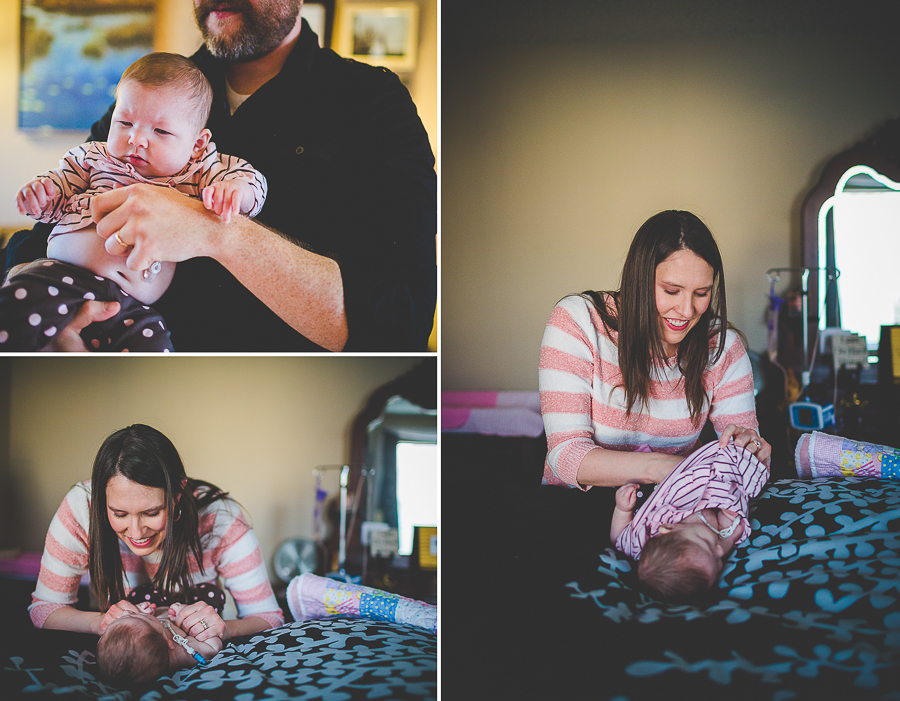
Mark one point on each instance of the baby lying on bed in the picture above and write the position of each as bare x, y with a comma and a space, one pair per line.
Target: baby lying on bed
686, 529
138, 648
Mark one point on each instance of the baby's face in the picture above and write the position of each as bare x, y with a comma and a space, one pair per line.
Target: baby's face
153, 130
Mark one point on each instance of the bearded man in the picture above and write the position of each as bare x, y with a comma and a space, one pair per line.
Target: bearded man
342, 255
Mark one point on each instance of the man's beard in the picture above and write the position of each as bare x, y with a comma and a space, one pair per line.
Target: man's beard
262, 29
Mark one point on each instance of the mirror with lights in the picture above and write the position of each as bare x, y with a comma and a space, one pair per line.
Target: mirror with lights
402, 454
394, 487
851, 222
851, 238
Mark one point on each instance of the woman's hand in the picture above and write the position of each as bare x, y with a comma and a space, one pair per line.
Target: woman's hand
748, 439
115, 612
191, 619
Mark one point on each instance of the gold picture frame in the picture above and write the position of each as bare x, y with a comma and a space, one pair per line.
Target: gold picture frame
320, 16
380, 33
425, 547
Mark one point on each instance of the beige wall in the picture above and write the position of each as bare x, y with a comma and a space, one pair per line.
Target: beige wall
28, 154
559, 151
254, 426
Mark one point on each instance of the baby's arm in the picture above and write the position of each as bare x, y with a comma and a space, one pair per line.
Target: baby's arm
38, 197
43, 196
229, 185
626, 498
227, 198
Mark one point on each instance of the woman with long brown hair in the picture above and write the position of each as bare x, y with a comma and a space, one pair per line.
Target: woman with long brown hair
629, 377
147, 532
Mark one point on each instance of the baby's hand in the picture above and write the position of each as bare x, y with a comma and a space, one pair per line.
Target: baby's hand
147, 607
626, 496
228, 198
35, 196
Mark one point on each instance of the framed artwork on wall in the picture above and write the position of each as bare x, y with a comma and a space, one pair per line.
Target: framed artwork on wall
72, 54
380, 33
320, 16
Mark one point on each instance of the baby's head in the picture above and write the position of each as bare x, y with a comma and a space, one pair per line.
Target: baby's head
682, 563
133, 650
158, 124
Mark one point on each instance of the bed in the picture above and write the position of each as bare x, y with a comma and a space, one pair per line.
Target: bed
809, 607
336, 658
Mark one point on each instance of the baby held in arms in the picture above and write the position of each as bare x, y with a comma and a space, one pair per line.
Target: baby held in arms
158, 136
138, 648
685, 531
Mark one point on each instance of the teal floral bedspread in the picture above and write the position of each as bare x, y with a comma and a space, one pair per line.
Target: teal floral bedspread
808, 607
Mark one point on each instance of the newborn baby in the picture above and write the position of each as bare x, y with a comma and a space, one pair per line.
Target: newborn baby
140, 647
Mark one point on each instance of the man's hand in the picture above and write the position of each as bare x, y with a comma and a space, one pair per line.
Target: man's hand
149, 223
12, 271
69, 339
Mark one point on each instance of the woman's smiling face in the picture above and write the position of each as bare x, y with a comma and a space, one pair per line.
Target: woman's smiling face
684, 284
137, 514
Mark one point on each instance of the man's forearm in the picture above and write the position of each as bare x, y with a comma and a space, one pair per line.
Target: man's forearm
303, 288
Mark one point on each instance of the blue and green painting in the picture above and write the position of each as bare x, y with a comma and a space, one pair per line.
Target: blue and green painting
73, 53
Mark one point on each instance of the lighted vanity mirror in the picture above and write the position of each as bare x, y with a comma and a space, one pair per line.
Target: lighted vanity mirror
402, 450
859, 234
851, 237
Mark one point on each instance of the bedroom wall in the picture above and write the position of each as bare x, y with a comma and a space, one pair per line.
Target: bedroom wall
254, 426
6, 500
27, 154
566, 130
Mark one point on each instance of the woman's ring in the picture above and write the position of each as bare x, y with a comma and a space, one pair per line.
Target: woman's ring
758, 444
119, 239
204, 623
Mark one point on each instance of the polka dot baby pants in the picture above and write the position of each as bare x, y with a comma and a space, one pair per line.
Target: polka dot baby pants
41, 299
206, 592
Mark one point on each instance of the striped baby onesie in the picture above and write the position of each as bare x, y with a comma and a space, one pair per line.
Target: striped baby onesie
710, 478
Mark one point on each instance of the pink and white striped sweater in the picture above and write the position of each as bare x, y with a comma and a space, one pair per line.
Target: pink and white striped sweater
583, 408
230, 552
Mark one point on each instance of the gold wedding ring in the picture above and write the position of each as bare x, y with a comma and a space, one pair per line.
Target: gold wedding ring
204, 623
119, 239
758, 444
